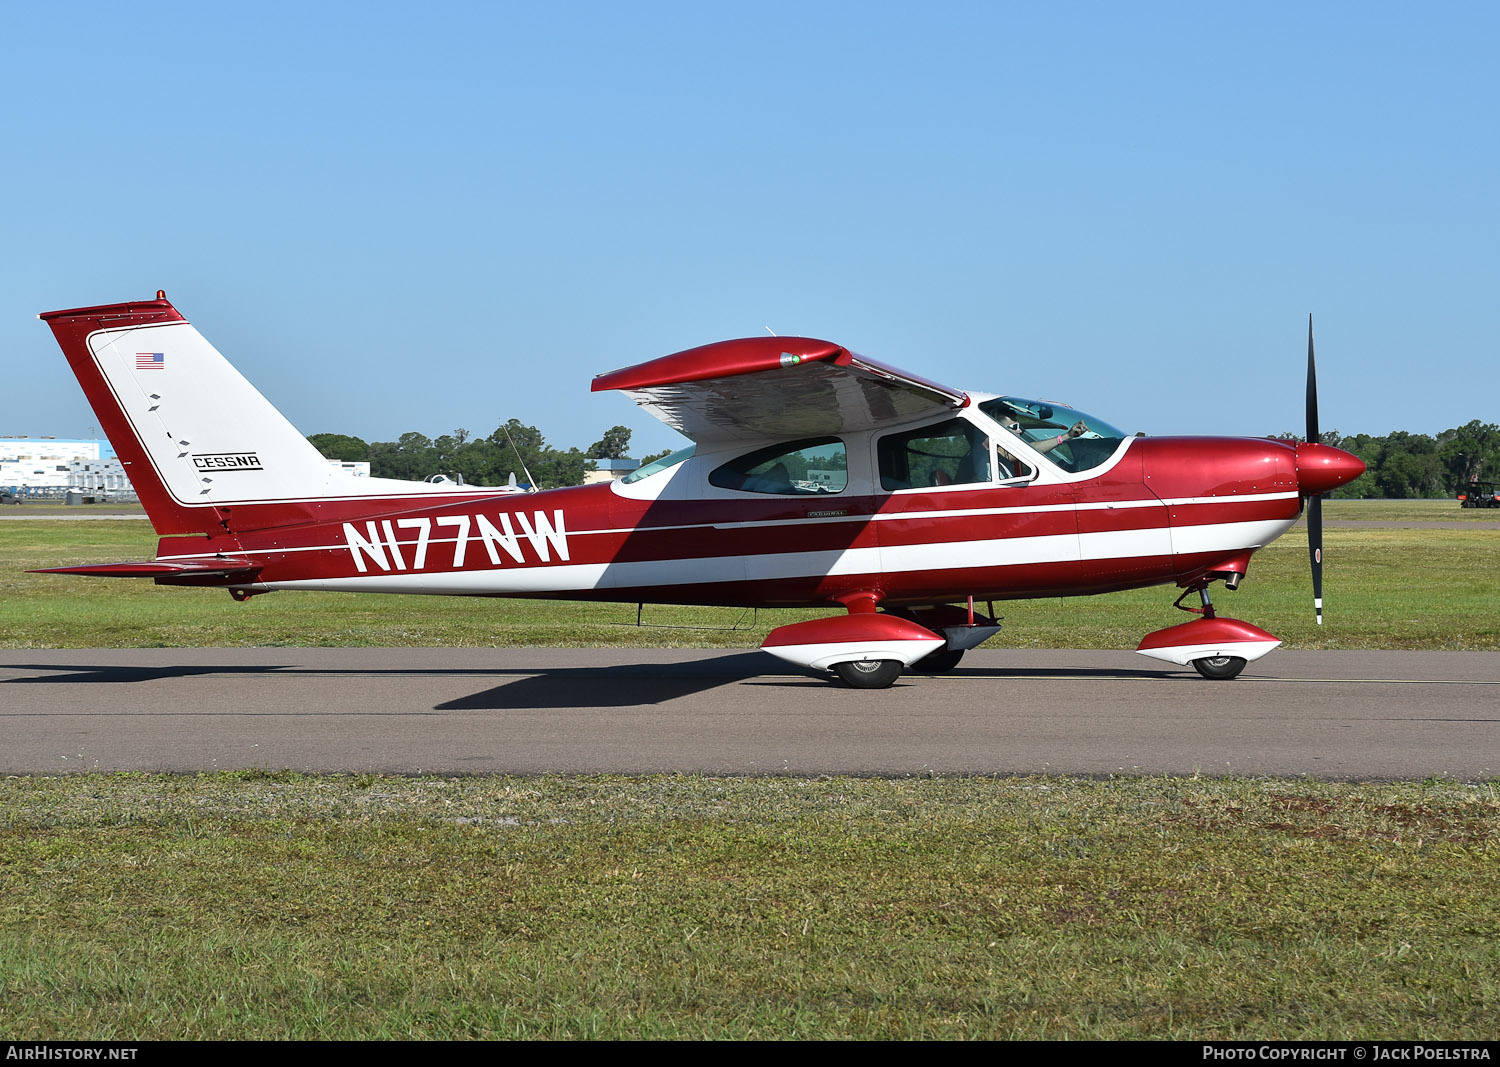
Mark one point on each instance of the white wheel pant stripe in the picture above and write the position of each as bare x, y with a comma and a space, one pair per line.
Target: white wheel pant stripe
1185, 654
821, 656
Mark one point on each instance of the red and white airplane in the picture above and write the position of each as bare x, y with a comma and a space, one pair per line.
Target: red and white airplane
816, 478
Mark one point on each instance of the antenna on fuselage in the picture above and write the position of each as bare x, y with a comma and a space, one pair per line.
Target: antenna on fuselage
530, 480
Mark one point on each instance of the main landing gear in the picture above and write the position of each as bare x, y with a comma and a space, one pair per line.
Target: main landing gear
882, 673
940, 662
869, 673
868, 649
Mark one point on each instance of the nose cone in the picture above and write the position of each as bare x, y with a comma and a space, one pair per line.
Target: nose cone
1323, 467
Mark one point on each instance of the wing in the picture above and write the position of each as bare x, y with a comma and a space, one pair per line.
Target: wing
760, 388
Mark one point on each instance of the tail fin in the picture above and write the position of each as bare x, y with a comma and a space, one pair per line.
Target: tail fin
195, 437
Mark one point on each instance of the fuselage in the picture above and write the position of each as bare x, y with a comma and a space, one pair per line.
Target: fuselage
1155, 510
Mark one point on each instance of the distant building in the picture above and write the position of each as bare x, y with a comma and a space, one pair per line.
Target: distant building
49, 466
103, 479
42, 466
610, 470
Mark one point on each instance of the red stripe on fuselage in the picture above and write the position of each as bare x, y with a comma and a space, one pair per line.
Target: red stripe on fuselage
1228, 509
602, 527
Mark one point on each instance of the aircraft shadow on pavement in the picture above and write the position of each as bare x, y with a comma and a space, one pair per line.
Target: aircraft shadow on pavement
644, 684
620, 686
114, 672
615, 686
1082, 673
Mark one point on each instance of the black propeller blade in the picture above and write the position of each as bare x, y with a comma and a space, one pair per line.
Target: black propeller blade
1315, 502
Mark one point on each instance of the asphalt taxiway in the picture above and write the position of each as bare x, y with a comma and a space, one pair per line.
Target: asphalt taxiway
1335, 715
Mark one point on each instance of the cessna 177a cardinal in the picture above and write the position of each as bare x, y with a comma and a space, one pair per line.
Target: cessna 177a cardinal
816, 478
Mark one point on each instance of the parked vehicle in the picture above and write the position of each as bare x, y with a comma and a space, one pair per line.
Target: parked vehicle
1479, 495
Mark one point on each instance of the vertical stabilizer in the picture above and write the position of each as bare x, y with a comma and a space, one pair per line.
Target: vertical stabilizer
195, 437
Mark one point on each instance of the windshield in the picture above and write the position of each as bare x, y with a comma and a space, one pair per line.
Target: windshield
1072, 440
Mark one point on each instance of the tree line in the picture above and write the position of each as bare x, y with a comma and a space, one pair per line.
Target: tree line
1401, 465
513, 448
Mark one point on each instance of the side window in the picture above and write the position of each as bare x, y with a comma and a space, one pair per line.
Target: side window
819, 465
955, 452
1008, 466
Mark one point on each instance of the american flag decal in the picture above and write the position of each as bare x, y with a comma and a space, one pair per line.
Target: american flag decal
150, 360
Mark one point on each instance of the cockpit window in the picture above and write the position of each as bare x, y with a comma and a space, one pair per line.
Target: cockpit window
796, 468
1074, 441
657, 466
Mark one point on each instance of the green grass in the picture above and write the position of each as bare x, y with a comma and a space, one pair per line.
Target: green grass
1408, 511
272, 905
276, 906
1385, 588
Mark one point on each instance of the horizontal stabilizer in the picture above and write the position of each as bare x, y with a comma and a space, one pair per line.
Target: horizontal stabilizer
203, 567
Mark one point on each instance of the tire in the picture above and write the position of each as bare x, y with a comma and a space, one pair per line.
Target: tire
869, 673
940, 662
1219, 668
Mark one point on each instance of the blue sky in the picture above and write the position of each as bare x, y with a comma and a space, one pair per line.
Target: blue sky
394, 217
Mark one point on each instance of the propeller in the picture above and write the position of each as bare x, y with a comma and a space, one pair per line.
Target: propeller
1314, 502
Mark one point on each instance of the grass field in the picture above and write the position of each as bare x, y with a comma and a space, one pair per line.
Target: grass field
1384, 587
275, 906
271, 905
1408, 511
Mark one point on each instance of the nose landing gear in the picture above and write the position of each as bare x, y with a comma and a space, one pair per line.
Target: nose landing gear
1218, 648
1219, 667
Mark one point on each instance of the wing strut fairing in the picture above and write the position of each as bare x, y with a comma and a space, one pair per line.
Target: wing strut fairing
768, 388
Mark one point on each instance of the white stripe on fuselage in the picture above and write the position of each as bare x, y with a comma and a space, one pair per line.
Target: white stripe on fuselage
937, 556
364, 544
